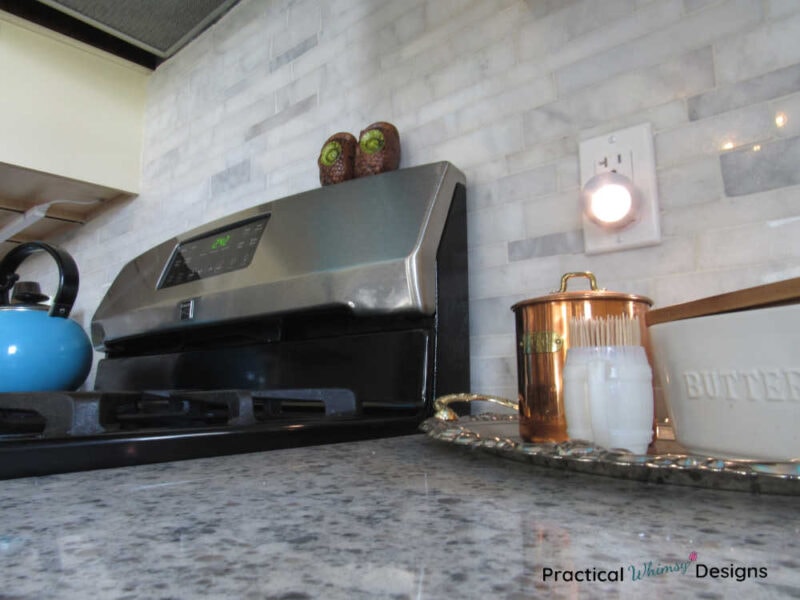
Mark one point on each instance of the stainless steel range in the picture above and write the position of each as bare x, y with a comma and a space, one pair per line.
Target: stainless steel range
334, 314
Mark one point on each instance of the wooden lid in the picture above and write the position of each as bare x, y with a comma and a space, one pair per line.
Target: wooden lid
762, 296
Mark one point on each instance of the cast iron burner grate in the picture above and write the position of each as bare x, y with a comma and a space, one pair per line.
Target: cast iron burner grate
52, 432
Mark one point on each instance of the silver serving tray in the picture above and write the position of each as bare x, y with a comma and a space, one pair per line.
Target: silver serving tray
498, 434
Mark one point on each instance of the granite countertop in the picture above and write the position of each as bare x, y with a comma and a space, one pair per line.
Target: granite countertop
405, 517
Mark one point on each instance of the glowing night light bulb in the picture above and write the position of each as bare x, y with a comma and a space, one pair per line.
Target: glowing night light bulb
611, 200
611, 203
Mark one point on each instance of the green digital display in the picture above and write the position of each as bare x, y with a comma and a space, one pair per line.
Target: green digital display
221, 242
219, 252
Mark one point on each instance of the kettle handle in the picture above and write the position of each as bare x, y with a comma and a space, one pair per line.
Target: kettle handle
68, 278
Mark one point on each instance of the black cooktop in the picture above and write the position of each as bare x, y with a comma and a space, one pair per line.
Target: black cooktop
42, 433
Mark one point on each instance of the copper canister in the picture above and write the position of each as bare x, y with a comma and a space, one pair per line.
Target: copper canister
542, 342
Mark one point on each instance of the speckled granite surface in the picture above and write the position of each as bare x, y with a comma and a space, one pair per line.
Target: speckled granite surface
395, 518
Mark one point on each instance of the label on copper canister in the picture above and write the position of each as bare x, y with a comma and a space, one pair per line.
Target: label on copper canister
540, 342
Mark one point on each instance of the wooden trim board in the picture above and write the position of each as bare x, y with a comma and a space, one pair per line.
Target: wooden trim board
762, 296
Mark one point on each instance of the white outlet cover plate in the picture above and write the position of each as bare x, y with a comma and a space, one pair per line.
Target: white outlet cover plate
629, 152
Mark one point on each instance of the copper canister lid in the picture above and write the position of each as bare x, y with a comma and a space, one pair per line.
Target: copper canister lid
595, 293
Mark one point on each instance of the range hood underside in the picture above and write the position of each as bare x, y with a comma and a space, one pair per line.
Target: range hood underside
143, 31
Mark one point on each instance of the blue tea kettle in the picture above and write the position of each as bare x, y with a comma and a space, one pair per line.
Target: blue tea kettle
41, 349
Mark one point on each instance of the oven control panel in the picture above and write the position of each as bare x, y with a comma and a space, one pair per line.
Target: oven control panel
219, 252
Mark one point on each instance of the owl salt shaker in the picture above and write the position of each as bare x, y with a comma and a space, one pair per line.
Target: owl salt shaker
378, 149
337, 158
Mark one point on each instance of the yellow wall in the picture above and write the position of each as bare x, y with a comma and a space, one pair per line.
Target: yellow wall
69, 109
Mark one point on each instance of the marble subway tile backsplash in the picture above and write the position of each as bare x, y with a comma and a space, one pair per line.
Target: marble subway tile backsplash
505, 90
744, 93
552, 244
230, 178
762, 167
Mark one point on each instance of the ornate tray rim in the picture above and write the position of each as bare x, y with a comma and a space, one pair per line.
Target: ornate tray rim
779, 478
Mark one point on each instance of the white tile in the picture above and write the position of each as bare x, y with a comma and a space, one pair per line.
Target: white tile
691, 219
500, 138
539, 46
696, 182
496, 27
408, 98
541, 152
789, 107
526, 185
411, 24
304, 20
543, 36
493, 316
777, 240
440, 32
467, 69
695, 5
677, 78
239, 29
299, 89
777, 9
568, 174
497, 224
443, 12
692, 32
766, 48
489, 346
365, 21
487, 256
684, 287
514, 100
339, 16
672, 255
714, 135
493, 373
557, 212
524, 279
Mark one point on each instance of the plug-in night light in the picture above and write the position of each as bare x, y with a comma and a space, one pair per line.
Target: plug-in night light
610, 200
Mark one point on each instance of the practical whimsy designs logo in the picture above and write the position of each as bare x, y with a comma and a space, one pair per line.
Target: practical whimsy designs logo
648, 570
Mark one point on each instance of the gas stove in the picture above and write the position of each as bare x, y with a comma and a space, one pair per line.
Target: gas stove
336, 314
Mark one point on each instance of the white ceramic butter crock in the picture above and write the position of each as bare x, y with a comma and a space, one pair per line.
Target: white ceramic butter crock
732, 382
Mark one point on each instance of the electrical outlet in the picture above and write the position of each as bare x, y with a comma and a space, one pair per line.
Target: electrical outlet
618, 160
628, 152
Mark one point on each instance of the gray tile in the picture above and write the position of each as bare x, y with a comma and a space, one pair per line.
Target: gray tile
287, 114
758, 89
293, 52
230, 178
773, 166
568, 242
